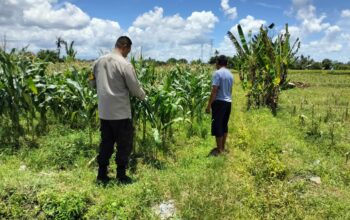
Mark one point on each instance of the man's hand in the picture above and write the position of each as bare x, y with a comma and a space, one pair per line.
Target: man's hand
207, 110
214, 92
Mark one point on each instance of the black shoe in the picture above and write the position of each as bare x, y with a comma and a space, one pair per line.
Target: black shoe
125, 180
103, 180
214, 152
102, 176
121, 175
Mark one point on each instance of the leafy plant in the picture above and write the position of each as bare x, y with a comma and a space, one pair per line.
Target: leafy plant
263, 65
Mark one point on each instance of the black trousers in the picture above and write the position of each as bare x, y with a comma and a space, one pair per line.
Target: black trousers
119, 132
221, 111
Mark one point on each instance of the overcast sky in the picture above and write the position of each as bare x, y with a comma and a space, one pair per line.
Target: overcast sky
188, 29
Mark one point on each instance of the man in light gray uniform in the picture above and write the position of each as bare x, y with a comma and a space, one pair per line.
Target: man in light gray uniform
115, 81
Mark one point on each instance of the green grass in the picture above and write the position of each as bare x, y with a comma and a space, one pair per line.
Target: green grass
264, 176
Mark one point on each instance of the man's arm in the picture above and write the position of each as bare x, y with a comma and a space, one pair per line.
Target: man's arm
133, 83
214, 92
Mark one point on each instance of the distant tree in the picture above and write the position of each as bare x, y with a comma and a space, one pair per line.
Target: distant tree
70, 51
340, 66
301, 63
326, 64
58, 45
316, 66
182, 60
212, 60
25, 53
171, 60
233, 62
48, 56
216, 53
199, 61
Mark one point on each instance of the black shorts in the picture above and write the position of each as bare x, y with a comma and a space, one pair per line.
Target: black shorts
221, 111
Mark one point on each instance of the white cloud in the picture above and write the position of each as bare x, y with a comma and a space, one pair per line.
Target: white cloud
38, 23
248, 24
319, 38
331, 45
295, 32
311, 23
345, 13
265, 5
45, 16
160, 36
301, 3
231, 12
305, 12
226, 47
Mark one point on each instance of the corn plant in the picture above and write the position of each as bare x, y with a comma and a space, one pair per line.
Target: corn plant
73, 101
174, 95
141, 110
18, 93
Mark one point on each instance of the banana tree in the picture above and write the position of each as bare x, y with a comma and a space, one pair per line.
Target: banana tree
263, 64
70, 51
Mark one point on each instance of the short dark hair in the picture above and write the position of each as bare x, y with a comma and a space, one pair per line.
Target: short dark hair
222, 60
123, 42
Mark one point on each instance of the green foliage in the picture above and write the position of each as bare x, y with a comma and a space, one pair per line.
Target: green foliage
69, 47
307, 63
19, 95
326, 64
70, 205
48, 56
263, 65
27, 91
12, 201
173, 61
63, 150
266, 174
176, 95
267, 165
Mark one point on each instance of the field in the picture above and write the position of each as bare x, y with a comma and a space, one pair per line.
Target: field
269, 172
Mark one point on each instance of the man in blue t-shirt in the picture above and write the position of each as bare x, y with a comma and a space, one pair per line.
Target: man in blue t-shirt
220, 103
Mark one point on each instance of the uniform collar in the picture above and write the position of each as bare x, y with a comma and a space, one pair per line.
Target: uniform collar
116, 52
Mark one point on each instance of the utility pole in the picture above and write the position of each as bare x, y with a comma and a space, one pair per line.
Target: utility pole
211, 48
202, 52
4, 42
141, 57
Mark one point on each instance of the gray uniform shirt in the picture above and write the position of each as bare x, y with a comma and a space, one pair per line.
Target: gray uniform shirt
115, 81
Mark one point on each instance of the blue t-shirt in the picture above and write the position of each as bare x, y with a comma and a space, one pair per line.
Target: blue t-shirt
223, 78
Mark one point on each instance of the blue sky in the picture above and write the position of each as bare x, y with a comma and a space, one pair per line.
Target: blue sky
174, 28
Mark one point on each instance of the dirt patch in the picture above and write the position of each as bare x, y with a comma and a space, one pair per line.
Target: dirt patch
298, 84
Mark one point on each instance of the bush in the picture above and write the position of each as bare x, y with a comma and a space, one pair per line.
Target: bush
70, 205
48, 56
61, 154
268, 165
13, 200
